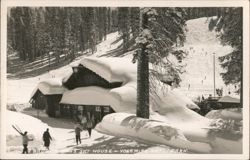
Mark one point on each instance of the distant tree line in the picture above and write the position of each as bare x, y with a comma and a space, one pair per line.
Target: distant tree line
36, 31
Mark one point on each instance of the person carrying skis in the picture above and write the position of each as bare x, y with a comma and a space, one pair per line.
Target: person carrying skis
46, 138
78, 133
26, 140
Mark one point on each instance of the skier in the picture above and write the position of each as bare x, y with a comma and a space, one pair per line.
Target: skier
26, 139
78, 133
90, 124
84, 122
46, 138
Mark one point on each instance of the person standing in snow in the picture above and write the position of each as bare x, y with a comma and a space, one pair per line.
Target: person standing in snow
84, 122
78, 134
46, 138
90, 124
26, 140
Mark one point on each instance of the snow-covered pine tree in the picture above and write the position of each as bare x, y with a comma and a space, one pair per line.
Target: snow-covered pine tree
229, 26
163, 33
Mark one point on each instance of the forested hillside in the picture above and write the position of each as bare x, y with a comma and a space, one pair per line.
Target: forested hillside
46, 38
38, 31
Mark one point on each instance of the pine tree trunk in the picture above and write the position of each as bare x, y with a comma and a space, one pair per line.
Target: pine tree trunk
143, 78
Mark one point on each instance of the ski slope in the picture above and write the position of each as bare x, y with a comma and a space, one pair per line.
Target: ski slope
200, 45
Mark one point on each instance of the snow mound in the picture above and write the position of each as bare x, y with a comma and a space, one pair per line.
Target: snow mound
24, 122
33, 126
230, 113
151, 131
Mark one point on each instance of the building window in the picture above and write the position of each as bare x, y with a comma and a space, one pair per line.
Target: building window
98, 109
80, 108
106, 109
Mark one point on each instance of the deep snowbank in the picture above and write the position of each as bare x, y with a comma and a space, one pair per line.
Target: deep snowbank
25, 122
230, 113
33, 126
128, 125
188, 136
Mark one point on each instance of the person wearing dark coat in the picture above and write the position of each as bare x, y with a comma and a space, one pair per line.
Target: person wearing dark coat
90, 125
78, 133
46, 138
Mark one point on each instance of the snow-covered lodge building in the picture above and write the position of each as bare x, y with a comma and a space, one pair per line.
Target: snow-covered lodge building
82, 91
99, 86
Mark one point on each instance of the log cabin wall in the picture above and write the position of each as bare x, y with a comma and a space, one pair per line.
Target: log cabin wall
53, 104
39, 101
85, 77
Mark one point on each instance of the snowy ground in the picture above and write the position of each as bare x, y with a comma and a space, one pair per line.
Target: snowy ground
63, 138
200, 45
61, 129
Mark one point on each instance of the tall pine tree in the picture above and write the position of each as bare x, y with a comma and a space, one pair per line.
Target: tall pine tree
162, 29
229, 25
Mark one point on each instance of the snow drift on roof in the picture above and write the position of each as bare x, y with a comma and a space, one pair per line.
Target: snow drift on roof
122, 98
228, 99
111, 69
50, 87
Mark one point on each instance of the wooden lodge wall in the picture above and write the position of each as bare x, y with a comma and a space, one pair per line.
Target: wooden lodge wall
48, 102
85, 77
82, 78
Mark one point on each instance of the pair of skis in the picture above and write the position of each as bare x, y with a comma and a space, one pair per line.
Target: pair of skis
17, 129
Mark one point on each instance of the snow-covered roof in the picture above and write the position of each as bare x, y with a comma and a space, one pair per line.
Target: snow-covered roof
111, 69
88, 95
50, 87
66, 78
228, 99
121, 98
93, 95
